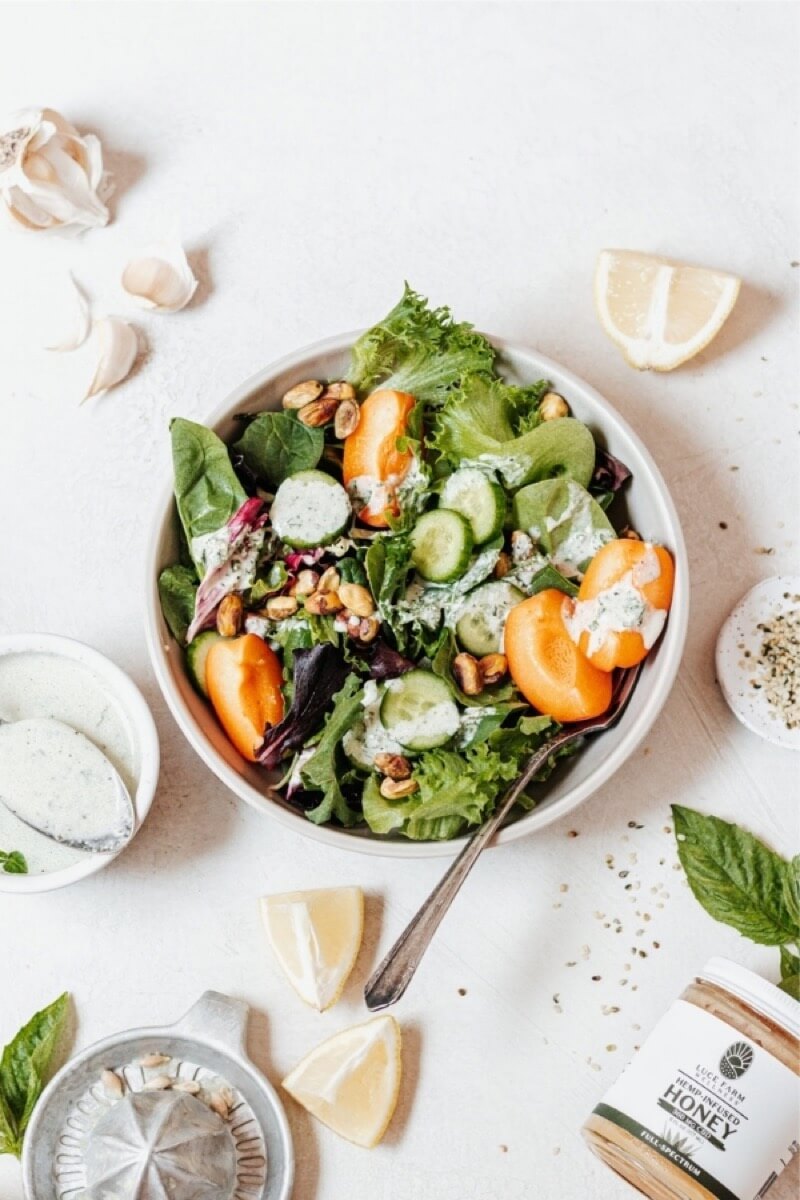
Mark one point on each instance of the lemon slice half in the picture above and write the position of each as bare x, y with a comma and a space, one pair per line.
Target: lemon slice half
660, 313
315, 936
351, 1081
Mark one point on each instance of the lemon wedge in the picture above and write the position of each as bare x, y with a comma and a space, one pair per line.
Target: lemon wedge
351, 1081
315, 936
660, 313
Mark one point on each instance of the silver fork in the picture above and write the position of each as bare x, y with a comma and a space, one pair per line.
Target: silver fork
390, 980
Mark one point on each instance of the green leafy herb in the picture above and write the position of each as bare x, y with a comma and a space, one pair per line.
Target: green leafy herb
478, 424
276, 445
23, 1070
741, 882
323, 771
207, 490
177, 588
274, 580
13, 862
550, 577
420, 350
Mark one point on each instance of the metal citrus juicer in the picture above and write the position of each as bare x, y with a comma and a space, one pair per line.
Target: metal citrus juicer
172, 1113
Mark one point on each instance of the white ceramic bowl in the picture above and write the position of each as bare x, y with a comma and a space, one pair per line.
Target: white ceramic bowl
134, 710
650, 510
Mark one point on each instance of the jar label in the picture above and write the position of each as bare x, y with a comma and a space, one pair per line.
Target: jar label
711, 1101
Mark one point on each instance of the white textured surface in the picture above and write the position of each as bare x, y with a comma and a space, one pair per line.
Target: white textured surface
313, 157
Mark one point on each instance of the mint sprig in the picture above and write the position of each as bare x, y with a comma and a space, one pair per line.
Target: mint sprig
743, 883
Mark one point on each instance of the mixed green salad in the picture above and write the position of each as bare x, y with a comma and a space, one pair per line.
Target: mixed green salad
348, 564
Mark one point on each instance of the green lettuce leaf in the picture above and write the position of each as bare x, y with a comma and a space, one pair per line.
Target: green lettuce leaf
207, 489
276, 445
566, 522
177, 588
420, 350
23, 1069
737, 878
477, 424
324, 770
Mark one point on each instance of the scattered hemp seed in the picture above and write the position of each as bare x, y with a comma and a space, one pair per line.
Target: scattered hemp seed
723, 524
634, 825
563, 887
667, 829
572, 833
609, 1009
624, 874
462, 991
611, 1047
570, 964
596, 978
765, 549
503, 1149
734, 468
557, 1002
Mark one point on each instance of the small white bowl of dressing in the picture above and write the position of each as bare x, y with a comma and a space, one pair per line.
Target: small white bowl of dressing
43, 675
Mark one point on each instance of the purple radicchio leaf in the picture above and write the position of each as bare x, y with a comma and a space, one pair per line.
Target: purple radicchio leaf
305, 558
215, 585
609, 473
318, 674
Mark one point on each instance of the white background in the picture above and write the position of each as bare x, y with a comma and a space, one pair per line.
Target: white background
312, 157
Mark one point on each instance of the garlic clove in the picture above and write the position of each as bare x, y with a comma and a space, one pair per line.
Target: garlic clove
74, 319
117, 347
160, 278
50, 176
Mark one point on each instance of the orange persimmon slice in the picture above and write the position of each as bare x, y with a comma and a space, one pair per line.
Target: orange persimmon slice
371, 452
243, 677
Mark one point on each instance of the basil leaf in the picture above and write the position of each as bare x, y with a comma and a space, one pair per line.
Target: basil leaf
790, 963
791, 985
23, 1068
207, 490
791, 888
550, 577
177, 589
276, 445
13, 862
737, 879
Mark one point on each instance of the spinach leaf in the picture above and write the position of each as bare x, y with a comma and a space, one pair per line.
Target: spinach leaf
736, 878
23, 1068
276, 445
322, 772
420, 350
177, 588
13, 862
549, 577
207, 489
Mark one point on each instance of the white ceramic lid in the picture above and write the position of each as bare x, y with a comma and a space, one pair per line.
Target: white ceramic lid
761, 995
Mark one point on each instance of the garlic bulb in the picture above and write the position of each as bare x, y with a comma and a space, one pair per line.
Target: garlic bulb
116, 346
51, 177
74, 319
160, 278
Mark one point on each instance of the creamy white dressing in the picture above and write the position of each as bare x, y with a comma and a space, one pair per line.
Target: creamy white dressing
511, 468
240, 557
373, 496
583, 539
619, 609
54, 779
369, 737
34, 685
429, 602
470, 720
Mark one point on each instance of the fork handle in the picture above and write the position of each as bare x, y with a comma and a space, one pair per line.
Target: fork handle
390, 980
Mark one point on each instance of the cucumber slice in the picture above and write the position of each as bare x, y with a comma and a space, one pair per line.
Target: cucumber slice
418, 710
310, 509
478, 498
196, 655
482, 617
441, 545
